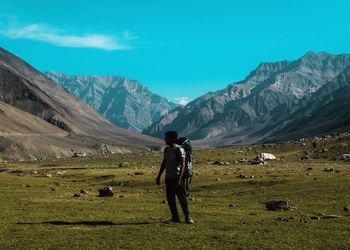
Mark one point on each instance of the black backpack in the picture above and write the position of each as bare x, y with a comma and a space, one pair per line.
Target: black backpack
186, 145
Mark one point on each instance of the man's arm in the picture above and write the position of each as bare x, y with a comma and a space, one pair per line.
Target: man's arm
182, 162
161, 170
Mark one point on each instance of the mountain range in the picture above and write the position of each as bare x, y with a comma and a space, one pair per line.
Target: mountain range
276, 101
124, 102
39, 118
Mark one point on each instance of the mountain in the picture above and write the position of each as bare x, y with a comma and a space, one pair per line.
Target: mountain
45, 116
265, 104
124, 102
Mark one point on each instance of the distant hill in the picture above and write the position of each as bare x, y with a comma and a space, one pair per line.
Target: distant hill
39, 118
124, 102
282, 100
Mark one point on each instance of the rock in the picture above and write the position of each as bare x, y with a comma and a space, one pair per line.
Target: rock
324, 150
106, 192
218, 179
346, 209
243, 176
309, 168
83, 191
345, 157
49, 175
331, 216
315, 218
218, 163
60, 172
243, 160
226, 163
277, 205
265, 157
328, 169
124, 164
77, 154
232, 206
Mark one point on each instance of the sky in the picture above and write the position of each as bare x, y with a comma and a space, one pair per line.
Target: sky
178, 49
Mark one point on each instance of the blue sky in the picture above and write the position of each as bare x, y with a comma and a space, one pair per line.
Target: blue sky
178, 49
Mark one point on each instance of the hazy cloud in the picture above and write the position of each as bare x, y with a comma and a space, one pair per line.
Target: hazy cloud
182, 100
64, 38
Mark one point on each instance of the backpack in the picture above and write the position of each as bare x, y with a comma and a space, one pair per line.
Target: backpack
188, 172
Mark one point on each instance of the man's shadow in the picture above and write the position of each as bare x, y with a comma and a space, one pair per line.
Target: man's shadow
87, 223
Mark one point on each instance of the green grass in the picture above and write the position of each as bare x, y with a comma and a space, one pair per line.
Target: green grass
46, 216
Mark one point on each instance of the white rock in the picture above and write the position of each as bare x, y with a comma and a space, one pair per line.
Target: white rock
265, 157
345, 157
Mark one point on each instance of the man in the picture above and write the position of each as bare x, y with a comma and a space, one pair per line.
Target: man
174, 164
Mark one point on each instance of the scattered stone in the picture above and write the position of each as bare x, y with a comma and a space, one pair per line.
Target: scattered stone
243, 160
337, 171
106, 192
328, 169
60, 172
324, 150
226, 163
315, 218
345, 157
49, 175
243, 176
277, 205
331, 216
218, 179
346, 209
218, 163
124, 164
308, 174
35, 172
309, 168
83, 191
27, 186
232, 206
265, 157
285, 219
53, 189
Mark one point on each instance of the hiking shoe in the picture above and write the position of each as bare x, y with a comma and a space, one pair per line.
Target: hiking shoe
189, 220
172, 221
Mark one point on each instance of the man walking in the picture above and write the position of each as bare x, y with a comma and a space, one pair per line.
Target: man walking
174, 166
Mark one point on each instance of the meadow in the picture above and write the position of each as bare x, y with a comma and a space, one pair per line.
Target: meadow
227, 201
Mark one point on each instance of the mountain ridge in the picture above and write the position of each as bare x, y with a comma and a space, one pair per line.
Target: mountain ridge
126, 103
237, 113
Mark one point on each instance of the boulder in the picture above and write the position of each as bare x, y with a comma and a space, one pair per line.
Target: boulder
277, 205
106, 192
265, 157
345, 157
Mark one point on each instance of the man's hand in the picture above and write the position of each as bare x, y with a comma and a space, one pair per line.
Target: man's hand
178, 183
158, 180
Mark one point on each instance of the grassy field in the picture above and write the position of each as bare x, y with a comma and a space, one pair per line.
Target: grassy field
38, 210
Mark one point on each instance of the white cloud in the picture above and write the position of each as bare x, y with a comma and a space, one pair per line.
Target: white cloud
182, 100
59, 37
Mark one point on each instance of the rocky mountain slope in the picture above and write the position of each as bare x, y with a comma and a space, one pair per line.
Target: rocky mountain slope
264, 106
26, 95
126, 103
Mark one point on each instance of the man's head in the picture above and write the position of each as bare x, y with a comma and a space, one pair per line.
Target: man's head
170, 137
